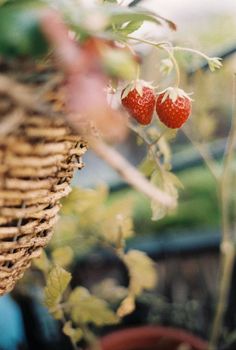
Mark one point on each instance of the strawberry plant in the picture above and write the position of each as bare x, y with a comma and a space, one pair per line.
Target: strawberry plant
94, 49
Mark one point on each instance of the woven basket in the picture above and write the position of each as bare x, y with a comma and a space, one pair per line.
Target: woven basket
37, 162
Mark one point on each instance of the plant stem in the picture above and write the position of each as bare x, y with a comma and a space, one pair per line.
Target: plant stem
150, 146
73, 343
186, 49
130, 174
163, 45
227, 263
175, 63
159, 44
90, 338
228, 244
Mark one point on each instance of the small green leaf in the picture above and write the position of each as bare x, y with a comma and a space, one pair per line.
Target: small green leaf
57, 282
169, 184
120, 17
86, 308
172, 178
147, 166
131, 27
127, 306
57, 314
141, 271
75, 334
109, 290
121, 14
170, 134
42, 263
63, 256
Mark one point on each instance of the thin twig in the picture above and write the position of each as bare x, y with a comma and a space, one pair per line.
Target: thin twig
150, 145
228, 244
129, 173
227, 263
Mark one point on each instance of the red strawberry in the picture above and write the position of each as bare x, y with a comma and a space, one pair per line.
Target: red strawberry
139, 100
173, 107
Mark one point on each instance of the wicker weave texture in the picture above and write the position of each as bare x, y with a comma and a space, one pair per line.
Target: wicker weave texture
37, 162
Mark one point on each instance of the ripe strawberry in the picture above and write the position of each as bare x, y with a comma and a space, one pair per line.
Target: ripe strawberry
173, 107
139, 100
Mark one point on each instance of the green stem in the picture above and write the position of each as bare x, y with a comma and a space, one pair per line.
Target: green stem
228, 244
227, 263
175, 63
138, 72
163, 45
186, 49
150, 145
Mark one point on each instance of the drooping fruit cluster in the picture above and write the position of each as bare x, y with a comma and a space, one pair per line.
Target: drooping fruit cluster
173, 105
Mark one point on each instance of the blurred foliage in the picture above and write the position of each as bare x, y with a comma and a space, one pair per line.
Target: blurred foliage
20, 33
156, 164
198, 206
87, 212
88, 220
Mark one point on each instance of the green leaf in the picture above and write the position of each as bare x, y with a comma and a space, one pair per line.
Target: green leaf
127, 306
57, 314
170, 134
57, 282
131, 27
86, 308
147, 166
75, 334
63, 256
174, 180
117, 224
109, 290
141, 271
81, 200
42, 263
168, 182
120, 15
20, 34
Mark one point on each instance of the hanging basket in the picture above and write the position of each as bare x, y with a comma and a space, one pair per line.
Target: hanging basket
37, 162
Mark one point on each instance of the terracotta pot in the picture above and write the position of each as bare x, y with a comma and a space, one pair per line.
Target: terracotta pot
152, 338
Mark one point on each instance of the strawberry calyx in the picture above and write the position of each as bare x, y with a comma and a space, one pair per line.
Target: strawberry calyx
137, 85
173, 93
